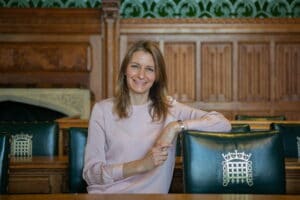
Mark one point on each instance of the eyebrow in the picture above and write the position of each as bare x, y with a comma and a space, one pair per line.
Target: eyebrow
140, 64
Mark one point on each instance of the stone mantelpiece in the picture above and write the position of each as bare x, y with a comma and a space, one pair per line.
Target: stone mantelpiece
72, 102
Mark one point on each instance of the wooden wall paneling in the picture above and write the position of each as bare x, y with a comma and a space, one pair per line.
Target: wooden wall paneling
287, 71
96, 39
291, 115
110, 20
240, 80
216, 71
254, 72
55, 48
235, 75
180, 61
49, 21
96, 72
44, 63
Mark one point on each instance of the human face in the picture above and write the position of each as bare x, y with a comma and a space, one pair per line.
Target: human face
140, 73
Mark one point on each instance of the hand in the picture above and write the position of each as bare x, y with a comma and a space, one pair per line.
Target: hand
169, 133
156, 156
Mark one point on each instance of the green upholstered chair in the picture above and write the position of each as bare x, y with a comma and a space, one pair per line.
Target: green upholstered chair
235, 128
233, 162
260, 118
77, 142
4, 162
291, 138
238, 128
41, 138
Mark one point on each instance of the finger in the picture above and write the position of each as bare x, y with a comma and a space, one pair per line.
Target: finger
164, 145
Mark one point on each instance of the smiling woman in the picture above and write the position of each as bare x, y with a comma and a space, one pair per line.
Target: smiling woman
140, 76
131, 140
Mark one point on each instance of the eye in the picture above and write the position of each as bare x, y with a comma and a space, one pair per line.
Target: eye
150, 69
134, 66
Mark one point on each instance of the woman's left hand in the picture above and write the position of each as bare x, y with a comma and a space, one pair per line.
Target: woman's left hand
169, 133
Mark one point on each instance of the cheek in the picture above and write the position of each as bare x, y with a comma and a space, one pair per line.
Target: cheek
153, 77
127, 79
129, 73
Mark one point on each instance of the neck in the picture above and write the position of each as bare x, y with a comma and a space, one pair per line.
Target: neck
139, 99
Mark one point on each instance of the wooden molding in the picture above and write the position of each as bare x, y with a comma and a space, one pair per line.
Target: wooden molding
211, 25
44, 20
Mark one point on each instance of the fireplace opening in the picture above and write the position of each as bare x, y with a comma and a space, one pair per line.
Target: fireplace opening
17, 111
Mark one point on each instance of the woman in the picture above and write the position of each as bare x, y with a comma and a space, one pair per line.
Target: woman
131, 140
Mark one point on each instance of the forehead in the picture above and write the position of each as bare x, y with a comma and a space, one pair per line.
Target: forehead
142, 57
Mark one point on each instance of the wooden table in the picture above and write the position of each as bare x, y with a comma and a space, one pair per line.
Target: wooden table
50, 175
149, 197
38, 175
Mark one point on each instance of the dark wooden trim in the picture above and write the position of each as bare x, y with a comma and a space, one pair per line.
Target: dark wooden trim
46, 20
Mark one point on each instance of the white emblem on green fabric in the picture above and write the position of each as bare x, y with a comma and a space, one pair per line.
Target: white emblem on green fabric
237, 168
21, 145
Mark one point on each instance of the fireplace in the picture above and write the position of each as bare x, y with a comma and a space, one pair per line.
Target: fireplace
74, 103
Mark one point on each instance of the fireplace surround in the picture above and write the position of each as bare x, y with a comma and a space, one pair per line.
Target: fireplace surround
74, 103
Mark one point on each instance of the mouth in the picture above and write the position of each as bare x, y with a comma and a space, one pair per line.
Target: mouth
139, 82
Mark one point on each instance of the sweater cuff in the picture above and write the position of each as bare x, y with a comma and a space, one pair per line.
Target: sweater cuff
118, 172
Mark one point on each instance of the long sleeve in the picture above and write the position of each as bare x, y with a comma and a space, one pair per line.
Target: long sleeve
96, 169
197, 119
112, 142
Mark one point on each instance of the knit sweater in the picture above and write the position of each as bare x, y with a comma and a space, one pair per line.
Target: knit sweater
113, 141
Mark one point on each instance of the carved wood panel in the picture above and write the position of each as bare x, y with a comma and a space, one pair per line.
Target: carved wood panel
44, 56
287, 71
216, 71
181, 69
253, 72
45, 63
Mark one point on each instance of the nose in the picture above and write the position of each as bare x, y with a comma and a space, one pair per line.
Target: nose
141, 73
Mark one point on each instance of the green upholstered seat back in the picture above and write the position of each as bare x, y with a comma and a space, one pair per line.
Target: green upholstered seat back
77, 142
291, 138
235, 128
233, 162
260, 118
4, 162
44, 135
238, 128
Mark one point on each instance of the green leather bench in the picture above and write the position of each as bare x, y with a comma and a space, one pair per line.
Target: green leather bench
4, 162
77, 142
290, 137
260, 118
43, 137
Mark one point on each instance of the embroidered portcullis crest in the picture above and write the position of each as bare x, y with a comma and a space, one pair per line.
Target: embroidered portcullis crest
21, 145
237, 168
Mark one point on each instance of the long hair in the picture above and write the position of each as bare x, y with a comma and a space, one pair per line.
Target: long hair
158, 92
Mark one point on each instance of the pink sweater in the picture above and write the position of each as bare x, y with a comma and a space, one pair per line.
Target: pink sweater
113, 141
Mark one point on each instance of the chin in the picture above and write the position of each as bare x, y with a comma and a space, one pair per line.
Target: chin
140, 92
